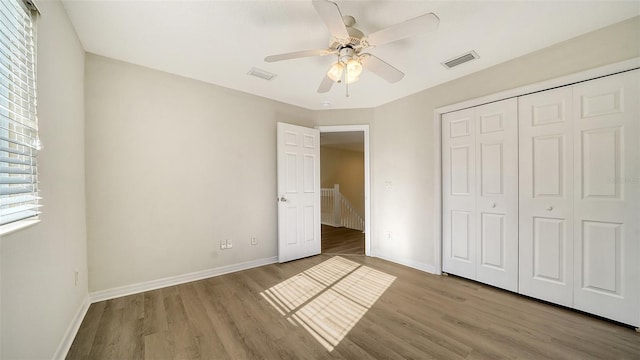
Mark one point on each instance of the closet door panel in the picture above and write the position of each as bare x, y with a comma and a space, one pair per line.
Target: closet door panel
497, 193
546, 196
459, 193
607, 197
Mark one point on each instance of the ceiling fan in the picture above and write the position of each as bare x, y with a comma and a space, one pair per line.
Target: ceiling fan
349, 44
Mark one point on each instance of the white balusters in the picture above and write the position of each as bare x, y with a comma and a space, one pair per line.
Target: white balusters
338, 211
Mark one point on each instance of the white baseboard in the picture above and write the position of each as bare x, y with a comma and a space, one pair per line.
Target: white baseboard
91, 298
175, 280
407, 262
72, 330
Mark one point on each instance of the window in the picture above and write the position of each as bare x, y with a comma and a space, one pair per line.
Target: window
19, 142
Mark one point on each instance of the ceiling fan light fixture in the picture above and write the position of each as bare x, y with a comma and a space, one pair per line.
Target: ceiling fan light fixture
354, 68
348, 44
335, 72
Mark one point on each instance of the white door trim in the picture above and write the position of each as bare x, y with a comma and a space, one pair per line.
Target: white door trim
524, 90
367, 177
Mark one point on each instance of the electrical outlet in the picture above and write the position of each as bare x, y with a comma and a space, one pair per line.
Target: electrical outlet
223, 244
76, 277
254, 240
229, 244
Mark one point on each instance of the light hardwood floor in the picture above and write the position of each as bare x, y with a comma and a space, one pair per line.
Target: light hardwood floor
419, 316
339, 240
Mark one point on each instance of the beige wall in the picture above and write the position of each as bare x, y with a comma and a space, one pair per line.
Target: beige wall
164, 185
346, 168
173, 166
39, 298
402, 134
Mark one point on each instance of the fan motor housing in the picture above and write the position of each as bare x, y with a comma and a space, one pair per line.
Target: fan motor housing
346, 53
355, 37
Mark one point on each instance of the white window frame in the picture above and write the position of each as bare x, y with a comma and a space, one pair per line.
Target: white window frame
19, 139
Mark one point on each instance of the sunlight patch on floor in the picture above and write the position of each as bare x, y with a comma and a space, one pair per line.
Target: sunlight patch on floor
330, 298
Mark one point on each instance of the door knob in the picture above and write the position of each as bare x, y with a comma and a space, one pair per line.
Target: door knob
283, 199
493, 205
549, 208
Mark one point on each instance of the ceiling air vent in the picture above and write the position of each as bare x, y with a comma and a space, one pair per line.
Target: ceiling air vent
458, 60
262, 74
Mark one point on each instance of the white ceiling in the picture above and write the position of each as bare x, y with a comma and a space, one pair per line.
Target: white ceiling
220, 41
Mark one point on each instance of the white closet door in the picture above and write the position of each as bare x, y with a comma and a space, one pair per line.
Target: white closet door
546, 196
497, 194
607, 197
459, 193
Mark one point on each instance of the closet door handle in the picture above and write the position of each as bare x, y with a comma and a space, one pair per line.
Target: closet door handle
493, 205
549, 208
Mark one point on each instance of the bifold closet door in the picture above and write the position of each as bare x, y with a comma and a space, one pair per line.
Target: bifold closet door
480, 193
497, 194
459, 193
546, 195
606, 134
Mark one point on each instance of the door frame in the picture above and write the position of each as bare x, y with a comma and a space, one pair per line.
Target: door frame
578, 77
367, 178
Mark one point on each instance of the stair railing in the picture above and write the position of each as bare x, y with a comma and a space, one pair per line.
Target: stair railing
337, 211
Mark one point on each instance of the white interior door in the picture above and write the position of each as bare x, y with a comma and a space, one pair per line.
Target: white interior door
546, 196
480, 193
298, 155
496, 127
607, 197
459, 193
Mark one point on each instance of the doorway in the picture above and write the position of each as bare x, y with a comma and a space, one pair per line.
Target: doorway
345, 183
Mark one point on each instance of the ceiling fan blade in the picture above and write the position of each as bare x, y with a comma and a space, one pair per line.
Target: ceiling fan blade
297, 54
381, 68
330, 14
325, 85
420, 25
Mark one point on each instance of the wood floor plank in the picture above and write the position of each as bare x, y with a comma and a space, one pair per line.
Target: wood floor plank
396, 342
259, 309
133, 306
107, 340
131, 340
229, 336
419, 316
155, 319
349, 350
340, 240
256, 337
185, 340
158, 345
81, 346
365, 335
419, 335
209, 343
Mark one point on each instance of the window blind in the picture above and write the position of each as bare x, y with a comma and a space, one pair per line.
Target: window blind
19, 142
